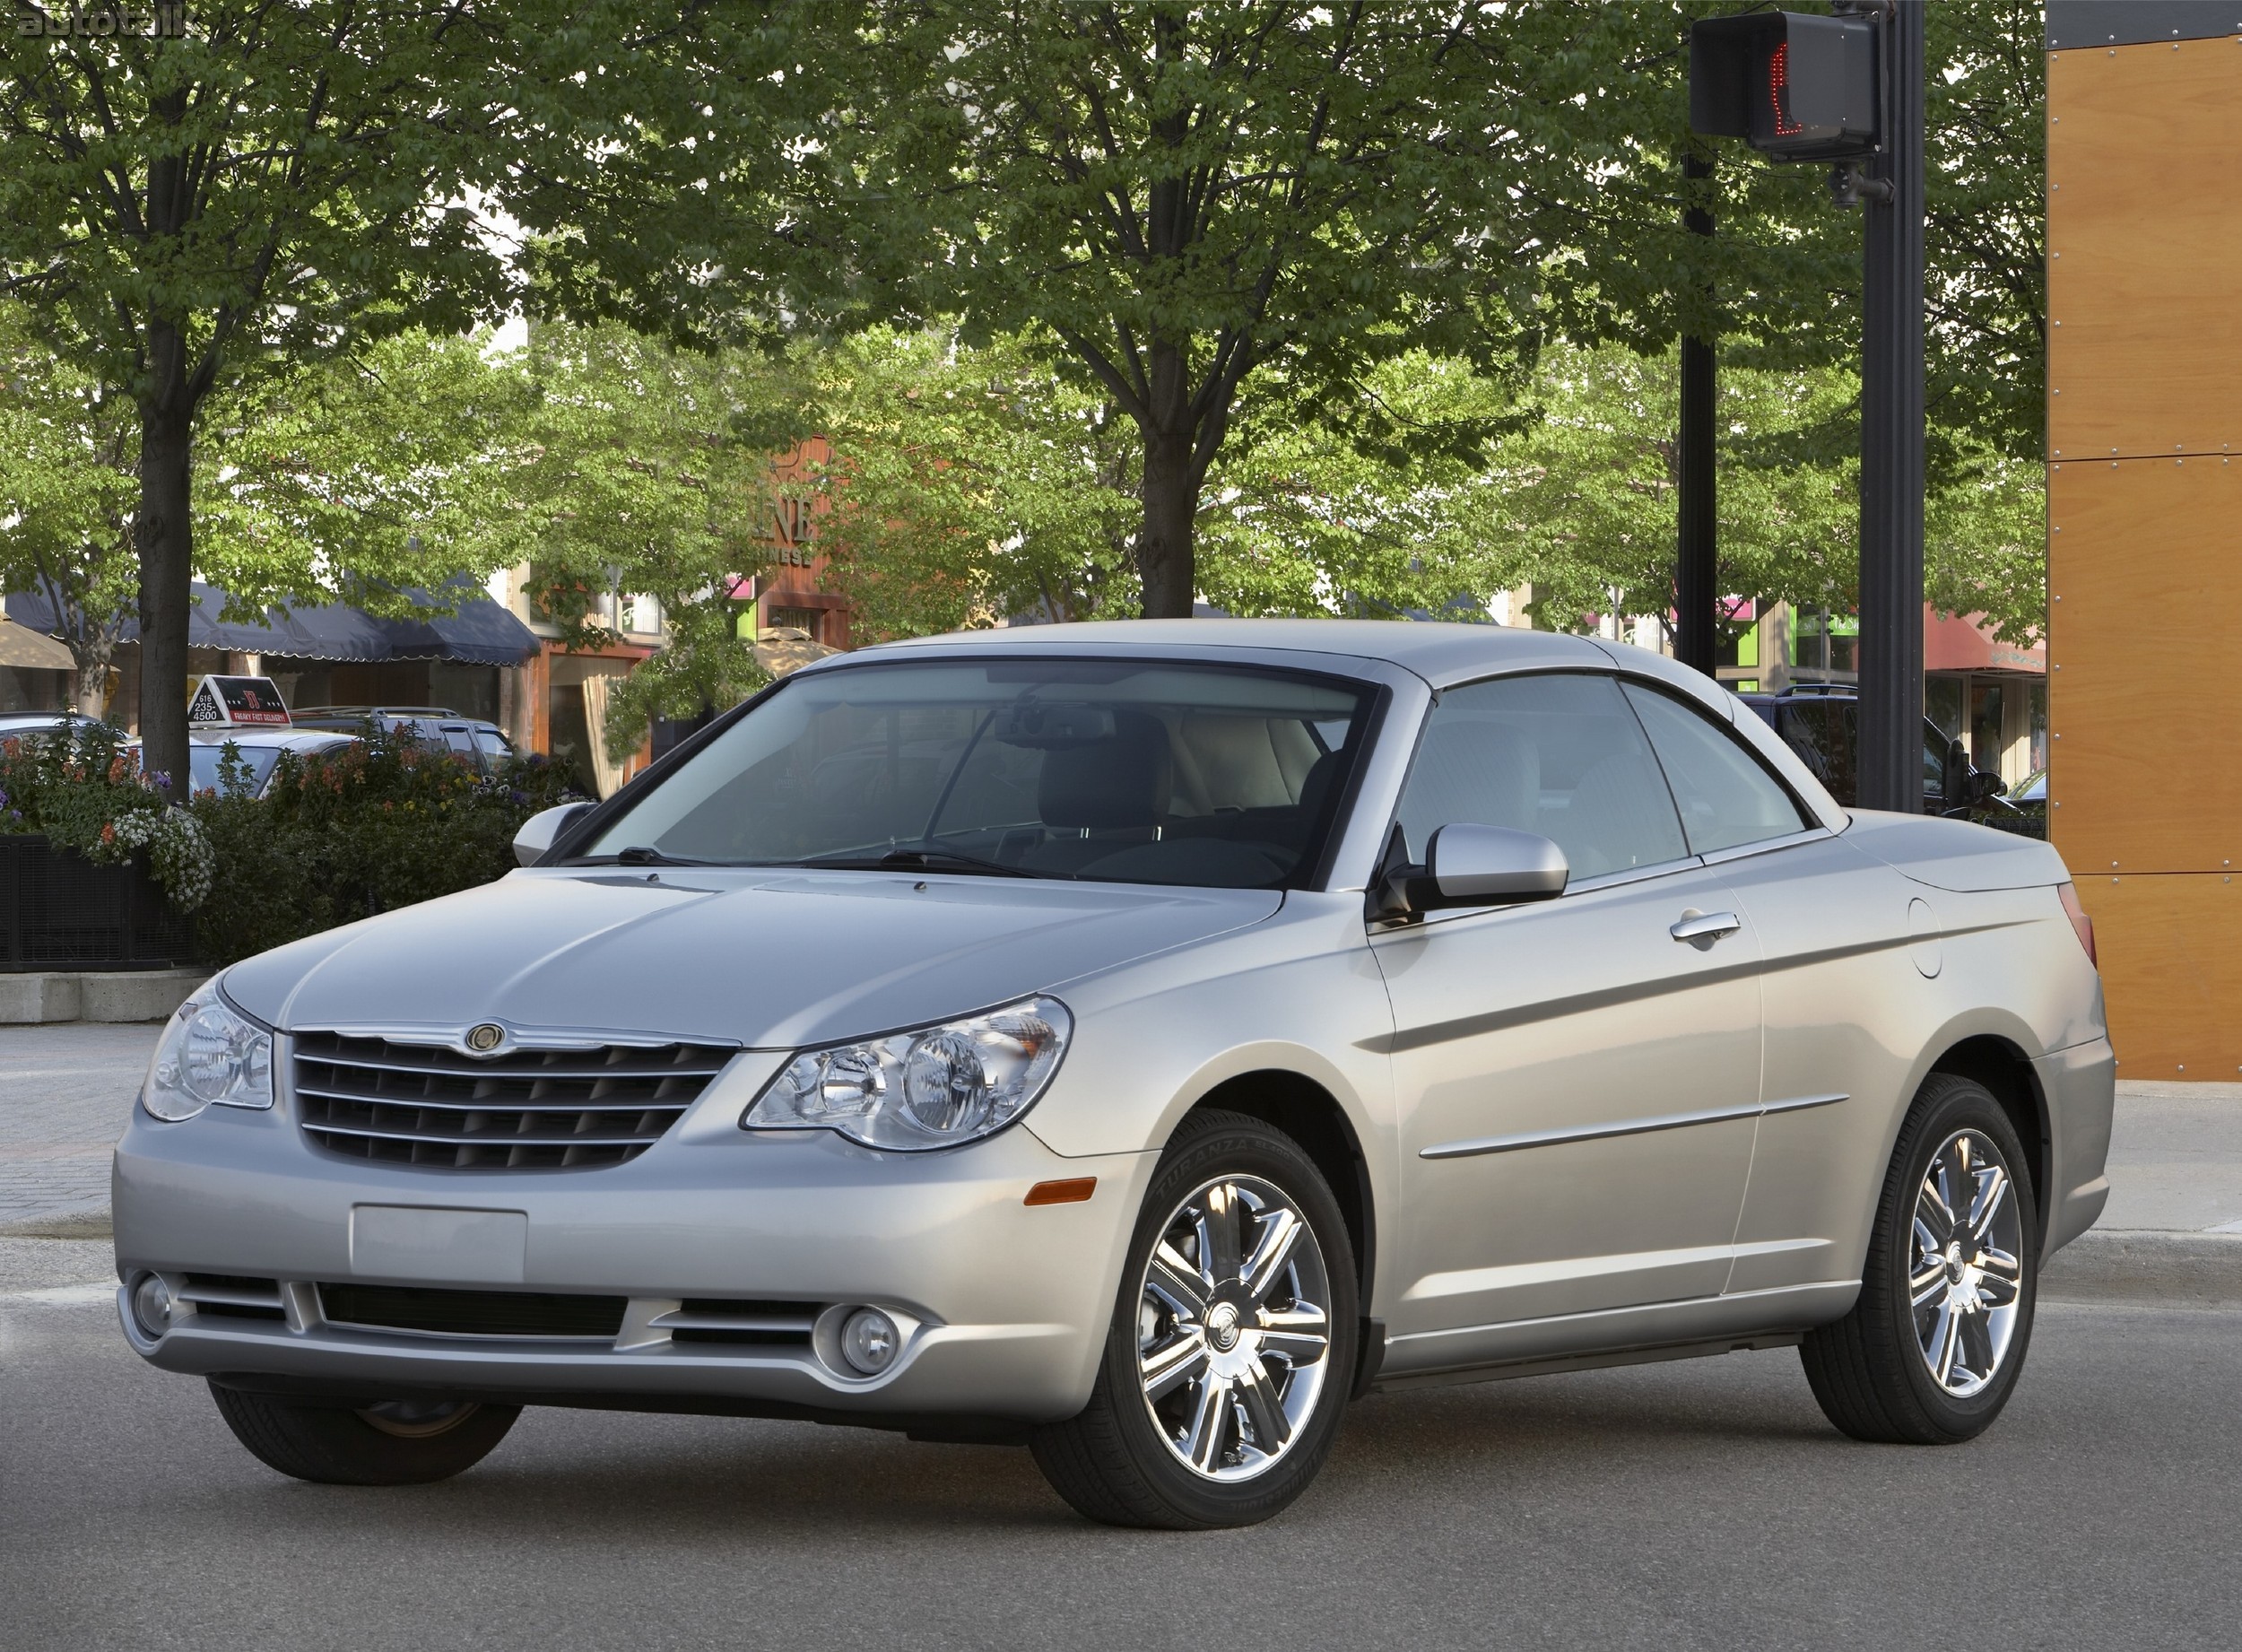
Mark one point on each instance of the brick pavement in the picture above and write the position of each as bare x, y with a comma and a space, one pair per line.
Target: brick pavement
65, 1092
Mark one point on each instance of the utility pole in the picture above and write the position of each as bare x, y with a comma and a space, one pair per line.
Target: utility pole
1891, 436
1697, 561
1848, 88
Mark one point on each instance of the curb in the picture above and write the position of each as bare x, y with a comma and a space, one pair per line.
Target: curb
46, 998
2146, 1264
71, 1225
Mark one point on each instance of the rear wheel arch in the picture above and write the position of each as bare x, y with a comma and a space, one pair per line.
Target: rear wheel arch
2003, 1067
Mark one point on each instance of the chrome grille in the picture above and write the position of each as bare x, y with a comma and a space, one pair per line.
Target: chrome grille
528, 1109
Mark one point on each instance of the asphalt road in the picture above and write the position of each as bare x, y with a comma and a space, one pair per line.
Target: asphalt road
1704, 1504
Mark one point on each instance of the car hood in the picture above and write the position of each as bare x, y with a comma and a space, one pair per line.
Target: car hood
775, 960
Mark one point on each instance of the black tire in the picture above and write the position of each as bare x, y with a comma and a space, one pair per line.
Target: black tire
1872, 1371
1112, 1461
403, 1443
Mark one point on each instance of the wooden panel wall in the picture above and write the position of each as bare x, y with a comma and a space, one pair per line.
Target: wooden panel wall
2144, 224
2145, 580
2144, 233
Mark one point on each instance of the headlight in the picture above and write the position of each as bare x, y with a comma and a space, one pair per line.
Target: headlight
208, 1054
935, 1087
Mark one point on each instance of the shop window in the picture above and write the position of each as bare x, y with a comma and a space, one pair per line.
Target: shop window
1942, 704
808, 621
1986, 716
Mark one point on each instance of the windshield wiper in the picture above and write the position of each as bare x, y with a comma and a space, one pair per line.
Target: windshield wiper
931, 860
636, 855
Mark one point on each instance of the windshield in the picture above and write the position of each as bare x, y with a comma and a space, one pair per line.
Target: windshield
1139, 772
257, 766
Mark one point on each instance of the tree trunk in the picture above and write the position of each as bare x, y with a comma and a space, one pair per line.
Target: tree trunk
1166, 555
92, 697
164, 534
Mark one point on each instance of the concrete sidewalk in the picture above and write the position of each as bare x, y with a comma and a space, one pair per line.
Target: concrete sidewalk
2173, 1229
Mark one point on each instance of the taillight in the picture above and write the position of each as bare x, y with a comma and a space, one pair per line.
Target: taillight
2080, 923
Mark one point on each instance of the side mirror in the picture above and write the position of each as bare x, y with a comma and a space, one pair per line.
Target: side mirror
1984, 788
1467, 865
542, 830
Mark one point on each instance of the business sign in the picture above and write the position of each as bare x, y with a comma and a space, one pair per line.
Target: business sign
236, 702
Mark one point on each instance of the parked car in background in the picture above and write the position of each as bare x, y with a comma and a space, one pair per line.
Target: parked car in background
259, 752
14, 725
475, 740
1133, 1041
1822, 723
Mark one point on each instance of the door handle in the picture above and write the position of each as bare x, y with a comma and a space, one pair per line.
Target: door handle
1704, 929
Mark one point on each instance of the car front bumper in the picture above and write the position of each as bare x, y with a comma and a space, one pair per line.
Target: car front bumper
1004, 1306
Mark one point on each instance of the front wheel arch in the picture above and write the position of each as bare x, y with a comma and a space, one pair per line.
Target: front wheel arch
1303, 1110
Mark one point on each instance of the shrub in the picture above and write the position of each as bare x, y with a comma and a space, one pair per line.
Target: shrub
364, 829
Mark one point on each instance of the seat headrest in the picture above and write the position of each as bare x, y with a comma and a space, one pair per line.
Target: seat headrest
1482, 771
1123, 780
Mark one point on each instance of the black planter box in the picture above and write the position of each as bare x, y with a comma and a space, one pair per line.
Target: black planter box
61, 911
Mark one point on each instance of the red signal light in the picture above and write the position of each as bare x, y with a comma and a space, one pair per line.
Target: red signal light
1778, 92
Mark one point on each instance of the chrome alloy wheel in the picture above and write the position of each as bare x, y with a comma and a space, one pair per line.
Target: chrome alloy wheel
1233, 1324
1965, 1282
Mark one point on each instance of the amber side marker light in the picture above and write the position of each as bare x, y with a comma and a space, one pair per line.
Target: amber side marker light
1062, 1192
2081, 925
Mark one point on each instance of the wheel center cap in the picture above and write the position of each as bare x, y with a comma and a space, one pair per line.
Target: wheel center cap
1222, 1326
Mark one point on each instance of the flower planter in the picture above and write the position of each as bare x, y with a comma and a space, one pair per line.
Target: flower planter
59, 910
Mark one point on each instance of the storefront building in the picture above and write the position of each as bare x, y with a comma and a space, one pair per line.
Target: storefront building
456, 653
1991, 694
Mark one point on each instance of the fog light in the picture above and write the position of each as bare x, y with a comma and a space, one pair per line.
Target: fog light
869, 1341
151, 1306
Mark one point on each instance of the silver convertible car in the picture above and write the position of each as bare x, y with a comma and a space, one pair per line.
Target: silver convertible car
1135, 1041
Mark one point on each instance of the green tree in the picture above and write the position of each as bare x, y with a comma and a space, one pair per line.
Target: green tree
69, 480
1778, 283
968, 486
1162, 201
648, 474
178, 211
348, 479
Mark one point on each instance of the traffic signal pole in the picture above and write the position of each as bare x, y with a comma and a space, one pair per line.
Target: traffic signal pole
1848, 88
1696, 562
1891, 436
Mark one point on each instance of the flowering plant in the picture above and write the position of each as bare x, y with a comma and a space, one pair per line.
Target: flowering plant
82, 787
